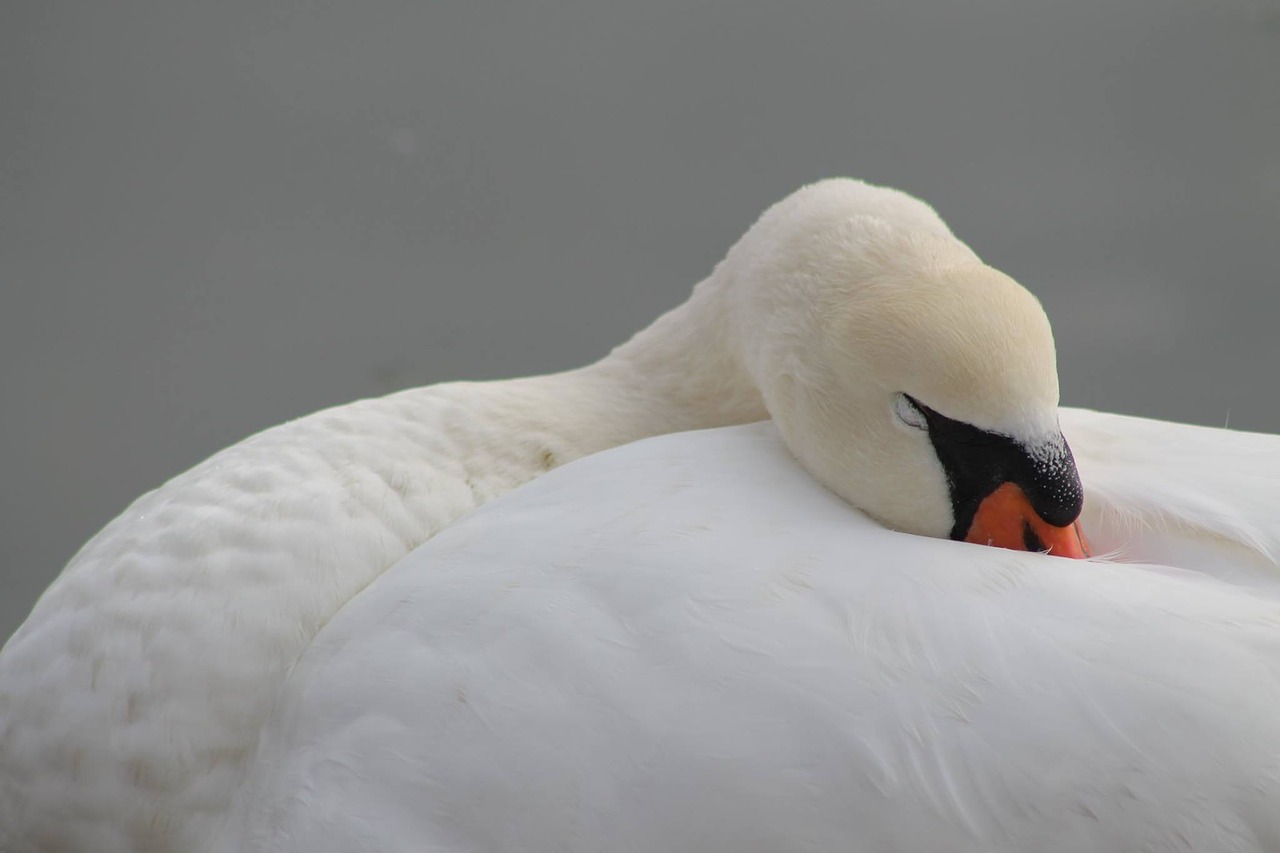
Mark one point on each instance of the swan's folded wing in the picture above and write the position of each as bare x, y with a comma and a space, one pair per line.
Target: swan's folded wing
685, 644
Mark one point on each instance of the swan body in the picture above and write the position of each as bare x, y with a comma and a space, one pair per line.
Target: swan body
687, 644
902, 374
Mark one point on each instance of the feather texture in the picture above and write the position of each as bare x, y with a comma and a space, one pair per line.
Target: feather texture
686, 644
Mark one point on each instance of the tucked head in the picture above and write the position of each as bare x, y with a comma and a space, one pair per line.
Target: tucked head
918, 383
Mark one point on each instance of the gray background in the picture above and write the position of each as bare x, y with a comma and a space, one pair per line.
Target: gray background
217, 216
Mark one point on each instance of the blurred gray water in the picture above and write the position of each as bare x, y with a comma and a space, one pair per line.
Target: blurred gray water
217, 216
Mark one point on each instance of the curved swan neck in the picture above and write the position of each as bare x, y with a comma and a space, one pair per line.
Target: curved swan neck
684, 371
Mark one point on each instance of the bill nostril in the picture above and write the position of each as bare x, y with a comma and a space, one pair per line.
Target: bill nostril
1030, 540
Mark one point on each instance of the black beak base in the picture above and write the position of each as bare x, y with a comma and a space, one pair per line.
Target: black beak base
977, 462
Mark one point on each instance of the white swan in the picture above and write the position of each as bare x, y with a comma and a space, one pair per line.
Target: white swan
904, 374
686, 644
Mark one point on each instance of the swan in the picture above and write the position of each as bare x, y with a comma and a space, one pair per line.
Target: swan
906, 377
687, 644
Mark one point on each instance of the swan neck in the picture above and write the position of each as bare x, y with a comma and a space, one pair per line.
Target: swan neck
684, 371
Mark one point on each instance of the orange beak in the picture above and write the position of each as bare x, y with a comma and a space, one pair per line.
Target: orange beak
1006, 519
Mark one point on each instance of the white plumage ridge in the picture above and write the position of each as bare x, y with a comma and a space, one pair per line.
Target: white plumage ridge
687, 643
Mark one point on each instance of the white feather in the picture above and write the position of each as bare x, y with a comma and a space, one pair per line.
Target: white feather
686, 644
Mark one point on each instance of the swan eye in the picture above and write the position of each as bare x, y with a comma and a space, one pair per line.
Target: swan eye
909, 413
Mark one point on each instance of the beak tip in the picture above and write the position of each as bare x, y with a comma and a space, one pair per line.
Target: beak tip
1006, 519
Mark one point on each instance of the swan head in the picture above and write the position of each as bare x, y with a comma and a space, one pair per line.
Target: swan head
910, 378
